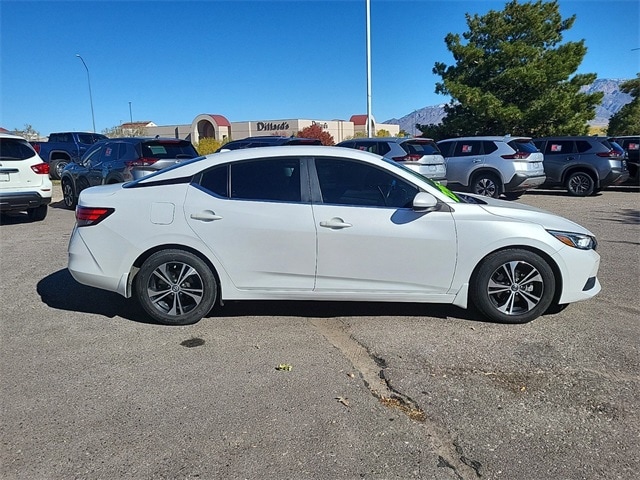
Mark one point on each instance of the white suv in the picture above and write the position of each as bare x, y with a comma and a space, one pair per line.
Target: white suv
24, 178
492, 166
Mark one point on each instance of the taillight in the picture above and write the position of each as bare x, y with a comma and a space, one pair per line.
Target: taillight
411, 157
141, 162
91, 215
516, 156
610, 154
41, 168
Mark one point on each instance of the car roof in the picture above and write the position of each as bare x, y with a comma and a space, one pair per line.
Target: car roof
11, 135
495, 138
192, 167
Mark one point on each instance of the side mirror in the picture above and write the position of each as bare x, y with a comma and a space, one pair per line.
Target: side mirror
424, 202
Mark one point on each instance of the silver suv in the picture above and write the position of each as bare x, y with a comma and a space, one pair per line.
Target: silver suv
419, 154
24, 178
493, 166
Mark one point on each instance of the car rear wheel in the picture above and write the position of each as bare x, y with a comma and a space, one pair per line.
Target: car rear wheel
56, 167
38, 213
486, 184
176, 287
580, 184
513, 286
68, 194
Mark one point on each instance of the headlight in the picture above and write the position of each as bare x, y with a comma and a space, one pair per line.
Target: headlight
576, 240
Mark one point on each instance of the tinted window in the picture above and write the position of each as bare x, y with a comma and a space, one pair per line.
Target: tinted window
446, 148
13, 149
465, 148
583, 146
216, 180
557, 147
347, 182
168, 149
421, 148
489, 147
89, 138
526, 146
266, 179
92, 157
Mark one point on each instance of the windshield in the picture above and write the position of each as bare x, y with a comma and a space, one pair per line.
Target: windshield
435, 185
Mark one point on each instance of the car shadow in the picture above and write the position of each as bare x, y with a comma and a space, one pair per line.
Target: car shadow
62, 292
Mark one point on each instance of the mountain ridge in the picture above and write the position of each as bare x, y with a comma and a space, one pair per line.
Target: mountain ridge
612, 102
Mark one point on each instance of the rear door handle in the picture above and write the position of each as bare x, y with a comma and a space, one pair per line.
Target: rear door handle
335, 223
206, 216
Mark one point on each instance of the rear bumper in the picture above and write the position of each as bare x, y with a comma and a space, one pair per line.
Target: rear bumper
19, 201
614, 177
520, 183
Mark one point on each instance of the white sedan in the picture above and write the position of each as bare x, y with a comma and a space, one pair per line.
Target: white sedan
322, 223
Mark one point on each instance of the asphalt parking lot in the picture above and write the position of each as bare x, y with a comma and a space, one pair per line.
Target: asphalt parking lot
90, 389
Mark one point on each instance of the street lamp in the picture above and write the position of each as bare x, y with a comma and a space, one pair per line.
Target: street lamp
93, 119
368, 8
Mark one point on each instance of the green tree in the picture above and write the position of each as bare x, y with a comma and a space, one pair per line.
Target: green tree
28, 132
513, 75
626, 121
316, 131
119, 131
383, 133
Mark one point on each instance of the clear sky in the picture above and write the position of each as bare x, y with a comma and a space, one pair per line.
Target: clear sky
252, 60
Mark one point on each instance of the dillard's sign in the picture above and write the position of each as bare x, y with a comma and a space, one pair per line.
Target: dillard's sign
271, 126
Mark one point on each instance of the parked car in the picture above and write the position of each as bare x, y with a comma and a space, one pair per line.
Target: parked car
419, 154
322, 223
24, 178
267, 141
631, 144
582, 164
120, 160
64, 147
493, 166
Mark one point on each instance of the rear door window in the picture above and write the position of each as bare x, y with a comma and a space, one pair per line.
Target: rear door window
559, 147
467, 148
275, 179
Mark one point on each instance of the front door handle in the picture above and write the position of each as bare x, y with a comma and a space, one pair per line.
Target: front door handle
335, 223
206, 216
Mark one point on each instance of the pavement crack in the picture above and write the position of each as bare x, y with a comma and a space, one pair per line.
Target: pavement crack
372, 371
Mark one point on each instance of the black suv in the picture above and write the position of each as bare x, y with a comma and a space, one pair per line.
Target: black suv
267, 141
583, 165
631, 144
119, 160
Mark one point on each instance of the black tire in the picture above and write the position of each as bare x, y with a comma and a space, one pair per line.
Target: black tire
38, 214
513, 286
486, 184
580, 184
68, 194
56, 166
176, 287
513, 195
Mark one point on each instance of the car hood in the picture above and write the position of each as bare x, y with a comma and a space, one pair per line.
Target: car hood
527, 213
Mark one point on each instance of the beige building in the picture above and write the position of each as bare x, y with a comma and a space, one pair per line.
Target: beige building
218, 127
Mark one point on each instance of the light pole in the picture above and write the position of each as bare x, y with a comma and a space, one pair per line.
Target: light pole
93, 119
368, 68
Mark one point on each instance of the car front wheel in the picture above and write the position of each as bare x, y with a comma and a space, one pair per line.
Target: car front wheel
68, 194
513, 286
176, 287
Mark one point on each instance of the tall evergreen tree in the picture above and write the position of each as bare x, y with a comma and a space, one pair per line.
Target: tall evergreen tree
514, 76
627, 120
